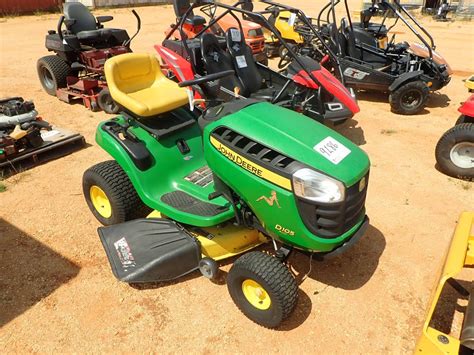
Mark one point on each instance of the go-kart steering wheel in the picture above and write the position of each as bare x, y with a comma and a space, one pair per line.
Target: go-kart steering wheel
206, 78
285, 57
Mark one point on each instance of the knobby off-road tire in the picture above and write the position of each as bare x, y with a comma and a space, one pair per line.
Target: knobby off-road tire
410, 98
257, 268
457, 140
52, 73
124, 202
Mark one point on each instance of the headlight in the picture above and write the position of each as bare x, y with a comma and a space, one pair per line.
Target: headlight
318, 187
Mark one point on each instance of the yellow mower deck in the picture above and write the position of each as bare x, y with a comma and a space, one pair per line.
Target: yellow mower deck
221, 243
460, 255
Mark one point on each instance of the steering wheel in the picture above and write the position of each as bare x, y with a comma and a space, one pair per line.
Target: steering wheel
206, 78
285, 57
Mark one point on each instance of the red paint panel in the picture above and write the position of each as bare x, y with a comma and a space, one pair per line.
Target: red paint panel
22, 6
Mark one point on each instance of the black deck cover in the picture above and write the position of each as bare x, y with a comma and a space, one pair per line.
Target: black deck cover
150, 250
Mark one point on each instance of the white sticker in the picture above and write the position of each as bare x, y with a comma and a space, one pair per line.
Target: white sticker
332, 150
241, 62
190, 93
291, 20
355, 73
235, 35
49, 134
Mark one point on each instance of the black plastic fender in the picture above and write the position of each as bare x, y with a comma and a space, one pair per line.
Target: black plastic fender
405, 77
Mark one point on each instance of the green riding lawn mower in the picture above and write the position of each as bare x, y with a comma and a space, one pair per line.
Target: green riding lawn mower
218, 183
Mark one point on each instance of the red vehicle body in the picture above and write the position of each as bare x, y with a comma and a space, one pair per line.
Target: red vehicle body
467, 108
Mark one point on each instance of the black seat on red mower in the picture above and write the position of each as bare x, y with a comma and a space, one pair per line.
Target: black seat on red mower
216, 60
243, 61
180, 8
85, 26
196, 20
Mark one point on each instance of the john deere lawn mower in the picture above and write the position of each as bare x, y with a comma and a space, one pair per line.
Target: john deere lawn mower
76, 70
243, 173
407, 72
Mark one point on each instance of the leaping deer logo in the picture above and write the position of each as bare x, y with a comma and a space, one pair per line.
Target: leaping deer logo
270, 200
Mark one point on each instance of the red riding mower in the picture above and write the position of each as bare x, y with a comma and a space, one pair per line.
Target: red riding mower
303, 86
253, 32
76, 71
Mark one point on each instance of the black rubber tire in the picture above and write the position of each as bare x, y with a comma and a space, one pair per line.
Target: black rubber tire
460, 133
464, 119
52, 72
274, 277
264, 61
106, 103
208, 268
418, 88
124, 200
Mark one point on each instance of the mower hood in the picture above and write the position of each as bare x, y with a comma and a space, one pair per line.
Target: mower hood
299, 138
421, 51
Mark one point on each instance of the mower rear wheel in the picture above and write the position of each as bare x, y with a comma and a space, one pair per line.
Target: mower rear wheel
106, 103
110, 194
52, 73
263, 288
455, 152
410, 98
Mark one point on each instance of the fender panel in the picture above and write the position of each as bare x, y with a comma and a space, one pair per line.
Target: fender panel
402, 79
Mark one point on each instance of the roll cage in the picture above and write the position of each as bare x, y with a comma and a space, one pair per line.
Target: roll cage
328, 12
245, 7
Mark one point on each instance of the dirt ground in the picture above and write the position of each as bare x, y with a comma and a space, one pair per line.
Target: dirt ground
57, 293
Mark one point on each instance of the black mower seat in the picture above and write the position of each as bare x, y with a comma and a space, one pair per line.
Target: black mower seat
216, 60
85, 27
94, 35
196, 20
243, 61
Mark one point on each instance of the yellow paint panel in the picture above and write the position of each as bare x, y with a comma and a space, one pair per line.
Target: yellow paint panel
250, 166
460, 253
225, 242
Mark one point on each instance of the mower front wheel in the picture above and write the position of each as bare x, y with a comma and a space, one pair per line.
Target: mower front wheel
410, 98
53, 72
464, 119
455, 151
106, 103
263, 288
110, 195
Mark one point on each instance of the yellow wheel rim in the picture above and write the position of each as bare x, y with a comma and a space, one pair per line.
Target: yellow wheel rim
100, 201
256, 294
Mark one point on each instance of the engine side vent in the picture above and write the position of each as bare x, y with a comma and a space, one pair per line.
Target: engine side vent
253, 150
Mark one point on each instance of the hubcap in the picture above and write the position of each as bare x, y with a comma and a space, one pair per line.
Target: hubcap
411, 99
100, 201
47, 78
256, 294
462, 155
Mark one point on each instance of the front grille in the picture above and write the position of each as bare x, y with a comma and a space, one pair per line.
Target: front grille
331, 220
253, 150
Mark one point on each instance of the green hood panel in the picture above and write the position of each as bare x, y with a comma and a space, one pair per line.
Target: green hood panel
295, 135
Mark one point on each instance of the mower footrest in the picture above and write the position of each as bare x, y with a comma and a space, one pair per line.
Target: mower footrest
150, 250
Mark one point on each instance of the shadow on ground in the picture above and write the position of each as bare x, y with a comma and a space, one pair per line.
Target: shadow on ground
352, 131
29, 271
350, 270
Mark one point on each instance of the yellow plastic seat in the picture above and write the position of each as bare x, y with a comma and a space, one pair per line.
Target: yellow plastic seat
137, 83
